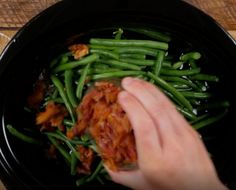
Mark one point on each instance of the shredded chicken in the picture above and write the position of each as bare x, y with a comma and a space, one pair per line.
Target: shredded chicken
102, 117
86, 159
79, 50
52, 116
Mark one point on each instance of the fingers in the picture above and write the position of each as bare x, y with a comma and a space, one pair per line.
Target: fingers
157, 105
145, 132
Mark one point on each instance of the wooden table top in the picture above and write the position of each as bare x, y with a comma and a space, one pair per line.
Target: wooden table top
15, 13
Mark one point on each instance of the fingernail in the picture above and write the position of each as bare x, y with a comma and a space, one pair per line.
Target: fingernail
127, 81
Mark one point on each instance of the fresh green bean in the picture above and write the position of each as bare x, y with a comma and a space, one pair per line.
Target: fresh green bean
209, 121
63, 95
178, 65
199, 118
96, 172
71, 65
205, 77
69, 88
118, 33
186, 113
132, 56
64, 60
158, 62
120, 64
56, 60
192, 63
61, 149
106, 53
117, 74
179, 85
137, 50
125, 43
68, 122
138, 61
190, 56
55, 94
180, 80
63, 138
22, 136
151, 33
80, 86
172, 90
170, 72
73, 165
214, 105
198, 95
58, 100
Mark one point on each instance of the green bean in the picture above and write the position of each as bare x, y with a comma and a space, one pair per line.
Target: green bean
209, 121
132, 56
100, 71
64, 60
69, 88
71, 65
81, 181
190, 56
95, 173
198, 95
117, 74
58, 100
100, 180
68, 143
73, 165
199, 118
22, 136
181, 80
138, 61
178, 65
105, 53
63, 138
186, 113
56, 60
214, 105
68, 122
151, 33
172, 90
205, 77
120, 64
192, 63
61, 149
125, 43
137, 50
55, 94
179, 85
158, 62
118, 34
180, 72
80, 86
63, 95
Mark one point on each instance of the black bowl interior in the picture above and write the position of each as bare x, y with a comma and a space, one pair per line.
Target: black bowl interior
24, 166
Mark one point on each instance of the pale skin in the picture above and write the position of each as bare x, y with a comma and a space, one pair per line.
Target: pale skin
170, 152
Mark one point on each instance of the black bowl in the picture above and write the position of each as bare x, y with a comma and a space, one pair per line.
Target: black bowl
23, 166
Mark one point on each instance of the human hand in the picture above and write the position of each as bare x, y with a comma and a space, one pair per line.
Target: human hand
170, 153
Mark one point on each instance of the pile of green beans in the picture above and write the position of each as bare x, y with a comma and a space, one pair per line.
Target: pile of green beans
180, 77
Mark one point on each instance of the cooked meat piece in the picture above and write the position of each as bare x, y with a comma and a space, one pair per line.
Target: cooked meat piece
53, 115
101, 115
86, 159
79, 50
